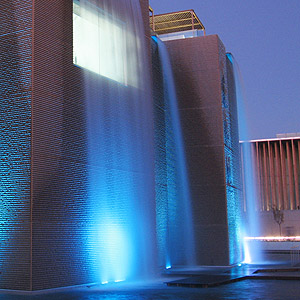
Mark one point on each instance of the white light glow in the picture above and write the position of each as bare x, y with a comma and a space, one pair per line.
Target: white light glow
247, 257
101, 44
273, 238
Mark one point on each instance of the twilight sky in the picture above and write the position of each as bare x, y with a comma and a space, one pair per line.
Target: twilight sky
264, 38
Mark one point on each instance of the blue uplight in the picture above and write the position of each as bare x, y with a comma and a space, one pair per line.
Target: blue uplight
121, 204
232, 167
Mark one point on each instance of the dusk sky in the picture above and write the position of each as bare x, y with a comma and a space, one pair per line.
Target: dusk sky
264, 38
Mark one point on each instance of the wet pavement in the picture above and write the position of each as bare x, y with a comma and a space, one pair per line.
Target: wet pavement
242, 290
215, 276
267, 285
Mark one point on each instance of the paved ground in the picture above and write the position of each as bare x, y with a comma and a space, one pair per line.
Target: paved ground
267, 284
243, 290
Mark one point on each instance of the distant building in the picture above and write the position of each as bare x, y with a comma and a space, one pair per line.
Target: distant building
277, 172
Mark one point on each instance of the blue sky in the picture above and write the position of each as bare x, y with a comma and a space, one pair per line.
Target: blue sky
264, 37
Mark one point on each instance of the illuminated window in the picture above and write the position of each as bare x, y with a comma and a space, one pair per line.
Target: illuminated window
101, 43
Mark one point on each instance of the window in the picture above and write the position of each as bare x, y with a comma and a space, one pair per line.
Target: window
101, 43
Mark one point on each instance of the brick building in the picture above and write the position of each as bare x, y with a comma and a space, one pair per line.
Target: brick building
205, 86
79, 181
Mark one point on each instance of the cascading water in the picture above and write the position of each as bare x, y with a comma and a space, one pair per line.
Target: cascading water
252, 252
176, 223
109, 45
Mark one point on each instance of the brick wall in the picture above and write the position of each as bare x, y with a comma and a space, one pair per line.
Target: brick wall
197, 72
15, 145
59, 212
84, 111
50, 215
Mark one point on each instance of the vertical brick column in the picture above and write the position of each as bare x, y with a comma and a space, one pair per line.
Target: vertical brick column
197, 72
15, 145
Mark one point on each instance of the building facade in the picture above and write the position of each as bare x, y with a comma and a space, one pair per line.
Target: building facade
207, 107
277, 170
205, 88
85, 127
76, 140
276, 178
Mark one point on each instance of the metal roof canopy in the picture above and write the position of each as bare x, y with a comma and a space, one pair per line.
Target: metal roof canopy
176, 21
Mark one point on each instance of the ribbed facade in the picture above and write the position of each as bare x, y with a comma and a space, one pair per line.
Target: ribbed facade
277, 173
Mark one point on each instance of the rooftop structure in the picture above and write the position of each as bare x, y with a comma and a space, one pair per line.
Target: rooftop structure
177, 22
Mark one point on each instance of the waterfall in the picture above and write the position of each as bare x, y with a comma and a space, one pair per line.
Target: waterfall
179, 245
252, 253
110, 48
